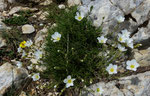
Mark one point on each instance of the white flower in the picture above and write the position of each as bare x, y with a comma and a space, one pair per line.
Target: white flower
121, 38
102, 39
99, 90
38, 54
19, 49
56, 37
68, 81
121, 48
130, 45
24, 54
19, 64
78, 16
132, 65
36, 77
126, 33
125, 38
29, 43
129, 42
112, 69
120, 19
30, 67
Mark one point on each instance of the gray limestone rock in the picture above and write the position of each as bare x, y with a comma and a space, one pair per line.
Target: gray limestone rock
2, 40
40, 38
135, 85
12, 79
103, 12
136, 13
3, 5
143, 57
143, 34
73, 2
127, 6
142, 12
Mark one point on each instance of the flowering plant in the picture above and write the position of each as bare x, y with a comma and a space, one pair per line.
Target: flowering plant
76, 49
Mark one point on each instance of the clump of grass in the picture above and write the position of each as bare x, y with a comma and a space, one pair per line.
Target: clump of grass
18, 20
6, 52
78, 53
13, 37
25, 13
53, 11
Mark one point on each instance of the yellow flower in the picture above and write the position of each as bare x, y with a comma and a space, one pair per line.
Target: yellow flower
22, 44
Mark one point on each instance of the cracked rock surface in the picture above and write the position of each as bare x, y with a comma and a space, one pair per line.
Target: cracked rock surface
135, 85
2, 5
12, 77
143, 57
137, 17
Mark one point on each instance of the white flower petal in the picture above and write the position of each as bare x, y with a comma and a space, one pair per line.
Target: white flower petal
113, 68
36, 77
126, 33
131, 63
24, 54
65, 80
68, 85
68, 81
82, 14
78, 16
19, 64
73, 79
102, 39
77, 13
120, 19
69, 77
29, 43
56, 37
19, 49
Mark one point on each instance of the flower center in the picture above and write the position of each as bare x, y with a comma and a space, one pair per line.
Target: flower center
79, 17
36, 76
112, 70
102, 41
22, 44
40, 55
58, 38
69, 81
132, 66
120, 39
98, 90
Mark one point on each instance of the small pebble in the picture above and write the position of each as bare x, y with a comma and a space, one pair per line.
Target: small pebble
61, 6
41, 24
